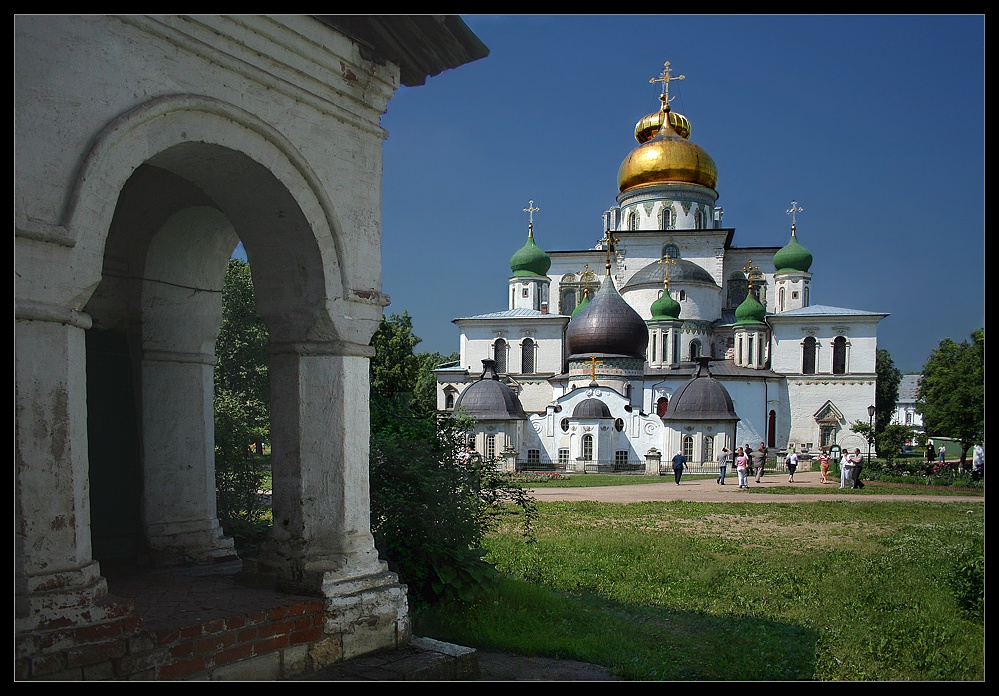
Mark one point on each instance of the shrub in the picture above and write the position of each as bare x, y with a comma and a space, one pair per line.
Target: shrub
430, 507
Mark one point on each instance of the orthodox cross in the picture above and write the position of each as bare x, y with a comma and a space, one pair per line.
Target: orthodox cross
530, 210
665, 78
611, 241
584, 278
666, 262
593, 367
794, 209
749, 271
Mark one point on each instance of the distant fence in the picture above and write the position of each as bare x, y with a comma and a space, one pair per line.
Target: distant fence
775, 464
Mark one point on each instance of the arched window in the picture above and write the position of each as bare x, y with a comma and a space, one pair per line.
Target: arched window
587, 448
499, 355
682, 295
449, 398
633, 220
772, 429
667, 218
808, 349
491, 446
839, 356
661, 405
709, 449
652, 346
699, 220
738, 288
694, 349
687, 447
527, 352
568, 301
671, 251
780, 300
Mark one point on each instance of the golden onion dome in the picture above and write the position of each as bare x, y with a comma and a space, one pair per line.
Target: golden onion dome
668, 157
648, 127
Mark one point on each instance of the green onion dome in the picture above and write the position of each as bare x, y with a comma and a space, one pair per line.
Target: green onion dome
750, 311
530, 259
665, 308
793, 258
582, 305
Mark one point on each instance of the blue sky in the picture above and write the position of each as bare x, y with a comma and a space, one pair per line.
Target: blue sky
874, 124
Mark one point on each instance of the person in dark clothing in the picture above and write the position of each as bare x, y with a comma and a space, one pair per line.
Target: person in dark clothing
678, 462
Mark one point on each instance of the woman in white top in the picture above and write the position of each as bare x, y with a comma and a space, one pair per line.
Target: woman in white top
742, 467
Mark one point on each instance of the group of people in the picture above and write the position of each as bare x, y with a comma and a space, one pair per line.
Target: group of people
850, 467
747, 460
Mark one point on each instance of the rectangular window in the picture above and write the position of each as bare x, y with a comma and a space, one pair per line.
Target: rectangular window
533, 456
621, 457
491, 446
563, 456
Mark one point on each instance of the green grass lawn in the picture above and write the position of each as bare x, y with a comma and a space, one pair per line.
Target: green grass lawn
734, 591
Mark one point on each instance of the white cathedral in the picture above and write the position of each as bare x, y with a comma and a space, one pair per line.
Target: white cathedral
685, 342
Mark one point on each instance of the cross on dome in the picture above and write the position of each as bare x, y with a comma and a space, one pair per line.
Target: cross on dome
794, 209
665, 78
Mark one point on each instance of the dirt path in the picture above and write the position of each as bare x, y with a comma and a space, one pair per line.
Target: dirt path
709, 491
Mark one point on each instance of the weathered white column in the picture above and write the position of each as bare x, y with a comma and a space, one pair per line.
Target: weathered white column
178, 450
321, 542
56, 580
319, 459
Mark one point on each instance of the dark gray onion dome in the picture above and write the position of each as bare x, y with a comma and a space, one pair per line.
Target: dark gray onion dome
701, 398
490, 399
681, 271
607, 325
591, 408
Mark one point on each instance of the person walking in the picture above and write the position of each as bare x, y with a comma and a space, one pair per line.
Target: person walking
723, 459
760, 461
846, 470
942, 452
742, 468
824, 466
858, 465
678, 461
792, 466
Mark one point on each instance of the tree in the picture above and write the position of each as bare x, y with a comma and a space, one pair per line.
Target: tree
241, 372
430, 505
885, 392
242, 415
951, 392
425, 389
394, 367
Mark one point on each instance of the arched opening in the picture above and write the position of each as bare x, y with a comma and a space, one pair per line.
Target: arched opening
839, 356
808, 350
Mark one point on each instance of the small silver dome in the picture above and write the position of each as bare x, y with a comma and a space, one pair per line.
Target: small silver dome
490, 399
591, 408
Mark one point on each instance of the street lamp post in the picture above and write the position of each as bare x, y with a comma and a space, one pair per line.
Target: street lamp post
870, 436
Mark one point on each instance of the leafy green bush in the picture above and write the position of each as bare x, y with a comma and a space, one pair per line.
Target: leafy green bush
238, 475
430, 507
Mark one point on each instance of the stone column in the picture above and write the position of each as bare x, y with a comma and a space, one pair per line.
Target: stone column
179, 505
56, 580
321, 543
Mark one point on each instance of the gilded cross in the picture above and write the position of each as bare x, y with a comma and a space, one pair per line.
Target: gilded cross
794, 209
593, 367
665, 78
749, 271
611, 241
666, 262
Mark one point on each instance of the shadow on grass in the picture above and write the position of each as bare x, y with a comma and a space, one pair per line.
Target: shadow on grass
638, 642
